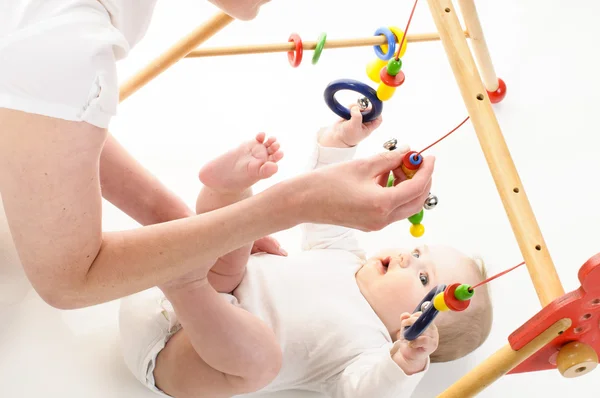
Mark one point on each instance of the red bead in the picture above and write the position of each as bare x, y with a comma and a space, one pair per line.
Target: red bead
452, 302
407, 163
499, 94
392, 81
295, 57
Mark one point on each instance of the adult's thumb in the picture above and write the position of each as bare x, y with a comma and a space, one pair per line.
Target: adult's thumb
386, 161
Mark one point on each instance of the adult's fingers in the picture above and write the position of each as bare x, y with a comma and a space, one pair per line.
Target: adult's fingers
384, 162
406, 210
420, 184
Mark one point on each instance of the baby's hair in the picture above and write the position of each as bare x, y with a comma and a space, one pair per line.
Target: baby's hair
463, 332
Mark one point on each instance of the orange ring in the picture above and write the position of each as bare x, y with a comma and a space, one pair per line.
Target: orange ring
295, 57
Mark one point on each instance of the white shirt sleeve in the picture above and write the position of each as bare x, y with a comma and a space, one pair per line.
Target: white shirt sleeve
375, 374
324, 236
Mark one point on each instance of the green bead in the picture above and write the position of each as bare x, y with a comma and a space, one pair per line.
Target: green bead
463, 293
417, 218
391, 180
394, 66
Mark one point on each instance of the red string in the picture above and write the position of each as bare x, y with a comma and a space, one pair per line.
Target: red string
406, 31
453, 130
496, 276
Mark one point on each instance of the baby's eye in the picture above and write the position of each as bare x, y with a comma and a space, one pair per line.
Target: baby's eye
416, 254
424, 278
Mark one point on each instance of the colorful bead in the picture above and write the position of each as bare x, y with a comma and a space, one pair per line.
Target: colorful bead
393, 66
319, 48
452, 301
439, 303
392, 81
499, 94
399, 35
374, 68
464, 292
390, 48
417, 230
391, 180
295, 57
411, 163
416, 218
384, 93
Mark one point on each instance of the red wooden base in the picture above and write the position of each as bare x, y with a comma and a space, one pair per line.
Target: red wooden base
581, 305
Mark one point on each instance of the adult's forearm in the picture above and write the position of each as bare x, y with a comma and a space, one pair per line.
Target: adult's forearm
135, 260
133, 189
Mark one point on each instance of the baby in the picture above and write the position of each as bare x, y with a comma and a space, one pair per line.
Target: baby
327, 320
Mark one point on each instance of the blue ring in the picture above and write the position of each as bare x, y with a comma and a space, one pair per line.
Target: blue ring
416, 162
391, 38
352, 85
425, 319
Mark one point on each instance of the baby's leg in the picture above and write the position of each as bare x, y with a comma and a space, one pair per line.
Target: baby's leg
221, 351
229, 179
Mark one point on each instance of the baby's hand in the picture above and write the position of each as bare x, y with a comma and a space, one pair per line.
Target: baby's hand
412, 356
348, 133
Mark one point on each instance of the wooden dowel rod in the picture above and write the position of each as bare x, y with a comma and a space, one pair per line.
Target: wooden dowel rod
306, 45
502, 362
508, 183
480, 48
175, 53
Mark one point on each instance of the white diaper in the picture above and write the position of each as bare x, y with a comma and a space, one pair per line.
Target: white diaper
61, 61
146, 323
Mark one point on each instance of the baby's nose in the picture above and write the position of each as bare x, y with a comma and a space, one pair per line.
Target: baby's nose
404, 261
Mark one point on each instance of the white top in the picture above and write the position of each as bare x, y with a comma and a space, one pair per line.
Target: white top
130, 17
332, 340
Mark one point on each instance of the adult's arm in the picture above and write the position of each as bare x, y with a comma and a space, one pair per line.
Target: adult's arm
50, 185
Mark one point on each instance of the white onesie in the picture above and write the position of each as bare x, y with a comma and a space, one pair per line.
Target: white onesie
58, 57
332, 340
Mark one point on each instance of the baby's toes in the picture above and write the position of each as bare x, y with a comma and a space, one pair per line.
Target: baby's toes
260, 137
276, 157
267, 170
270, 141
273, 148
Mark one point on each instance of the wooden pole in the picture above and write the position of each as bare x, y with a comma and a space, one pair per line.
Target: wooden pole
518, 209
480, 48
502, 362
175, 53
306, 45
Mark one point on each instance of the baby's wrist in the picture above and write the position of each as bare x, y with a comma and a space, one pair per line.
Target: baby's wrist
330, 137
410, 367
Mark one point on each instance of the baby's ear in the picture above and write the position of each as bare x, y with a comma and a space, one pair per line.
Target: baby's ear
481, 265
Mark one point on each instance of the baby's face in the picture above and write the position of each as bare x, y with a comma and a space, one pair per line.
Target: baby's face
243, 10
395, 281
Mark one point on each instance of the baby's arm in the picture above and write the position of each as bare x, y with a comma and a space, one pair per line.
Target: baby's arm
336, 144
375, 374
392, 371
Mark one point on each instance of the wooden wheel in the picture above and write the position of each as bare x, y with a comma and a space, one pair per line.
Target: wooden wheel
576, 359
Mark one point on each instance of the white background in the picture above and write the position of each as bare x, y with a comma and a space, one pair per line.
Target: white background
544, 50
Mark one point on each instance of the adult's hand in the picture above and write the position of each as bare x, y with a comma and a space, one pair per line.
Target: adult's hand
353, 194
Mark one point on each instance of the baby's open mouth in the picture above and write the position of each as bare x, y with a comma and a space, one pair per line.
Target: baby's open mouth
385, 263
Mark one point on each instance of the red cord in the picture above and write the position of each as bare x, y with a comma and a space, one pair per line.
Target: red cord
453, 130
496, 276
406, 31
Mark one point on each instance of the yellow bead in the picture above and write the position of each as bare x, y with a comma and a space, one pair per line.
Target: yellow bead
374, 68
417, 230
399, 35
439, 303
385, 92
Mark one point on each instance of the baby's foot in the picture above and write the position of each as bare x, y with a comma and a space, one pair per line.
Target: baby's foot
242, 167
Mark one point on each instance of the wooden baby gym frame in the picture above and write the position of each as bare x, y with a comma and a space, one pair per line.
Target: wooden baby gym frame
560, 335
